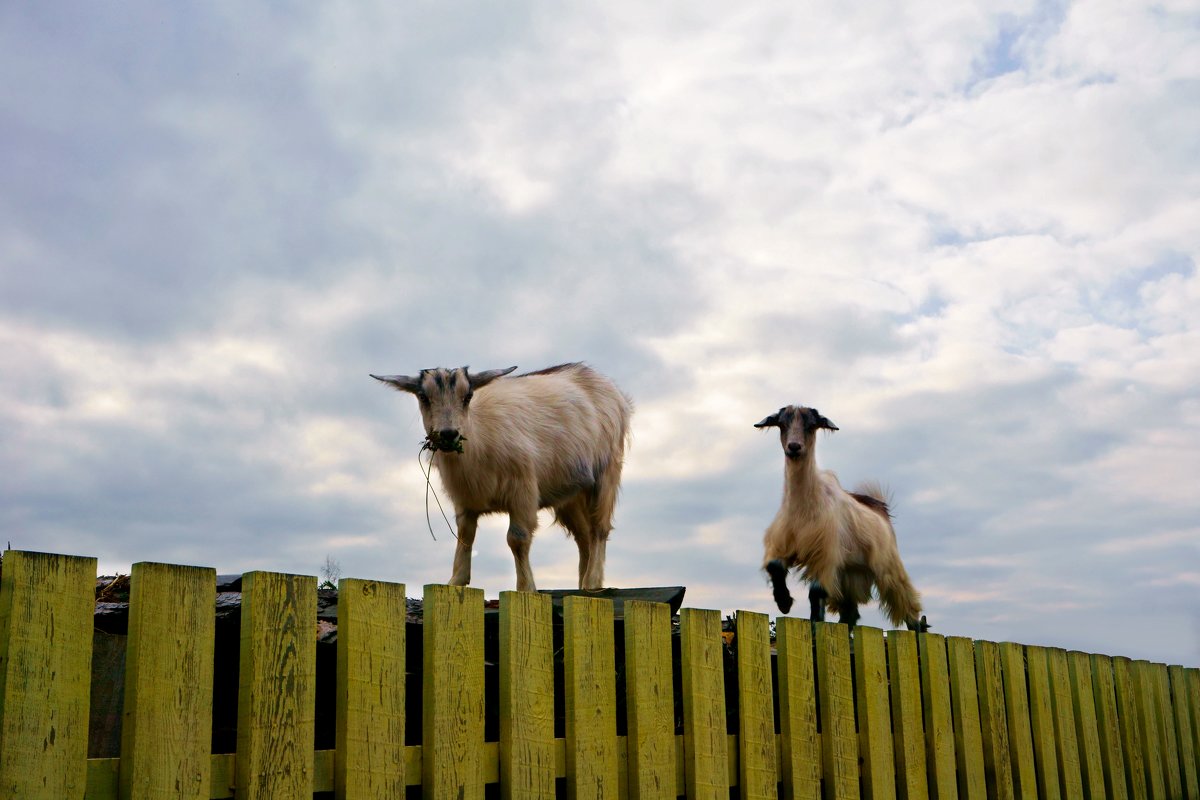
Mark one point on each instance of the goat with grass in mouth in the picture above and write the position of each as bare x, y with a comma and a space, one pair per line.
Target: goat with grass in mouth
842, 542
554, 438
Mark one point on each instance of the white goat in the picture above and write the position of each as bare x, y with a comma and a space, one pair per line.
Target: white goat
842, 542
554, 438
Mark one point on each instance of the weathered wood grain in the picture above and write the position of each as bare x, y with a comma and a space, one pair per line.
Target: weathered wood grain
1020, 729
591, 700
939, 725
874, 714
964, 704
835, 690
649, 702
706, 746
904, 672
757, 776
799, 742
526, 696
1108, 728
166, 730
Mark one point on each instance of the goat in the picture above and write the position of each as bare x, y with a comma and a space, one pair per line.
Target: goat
554, 438
842, 542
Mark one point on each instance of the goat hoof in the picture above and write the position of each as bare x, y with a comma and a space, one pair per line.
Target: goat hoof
920, 626
784, 603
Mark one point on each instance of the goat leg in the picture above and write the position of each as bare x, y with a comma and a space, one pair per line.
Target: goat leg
817, 597
778, 573
920, 626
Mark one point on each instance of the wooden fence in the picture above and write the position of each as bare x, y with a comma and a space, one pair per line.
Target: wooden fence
818, 714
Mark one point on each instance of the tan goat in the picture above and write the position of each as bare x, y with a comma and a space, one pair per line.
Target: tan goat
554, 438
842, 542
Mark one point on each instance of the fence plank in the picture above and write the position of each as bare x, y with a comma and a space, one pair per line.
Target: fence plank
874, 715
964, 704
591, 698
1191, 690
993, 721
369, 722
276, 687
46, 606
1088, 737
649, 701
800, 746
1148, 723
1184, 725
939, 727
835, 692
452, 693
1041, 712
1165, 719
1020, 729
756, 715
1066, 743
1132, 747
905, 678
166, 728
527, 766
1108, 729
706, 747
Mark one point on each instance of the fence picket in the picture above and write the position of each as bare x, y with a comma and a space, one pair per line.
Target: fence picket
1108, 727
1066, 742
649, 702
1184, 730
1148, 723
756, 716
1137, 780
800, 745
993, 721
874, 714
1083, 700
452, 693
905, 678
1020, 729
835, 690
1041, 713
46, 606
939, 727
591, 698
369, 723
276, 687
964, 704
527, 766
166, 729
706, 746
1165, 719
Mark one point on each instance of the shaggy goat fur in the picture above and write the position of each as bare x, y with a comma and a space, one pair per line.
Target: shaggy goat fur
842, 542
554, 438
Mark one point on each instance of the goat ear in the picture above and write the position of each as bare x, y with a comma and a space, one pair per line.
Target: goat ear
404, 383
769, 422
823, 422
480, 379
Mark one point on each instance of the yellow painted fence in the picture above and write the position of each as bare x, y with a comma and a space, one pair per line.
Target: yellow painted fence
818, 713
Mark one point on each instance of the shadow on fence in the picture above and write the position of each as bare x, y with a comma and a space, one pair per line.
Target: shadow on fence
533, 704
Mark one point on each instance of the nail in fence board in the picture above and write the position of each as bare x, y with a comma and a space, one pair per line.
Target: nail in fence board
1086, 732
452, 693
939, 729
874, 714
1020, 729
756, 715
1125, 685
905, 676
166, 730
649, 701
839, 742
1108, 728
797, 709
964, 704
46, 606
369, 723
591, 699
706, 746
1184, 724
276, 687
993, 721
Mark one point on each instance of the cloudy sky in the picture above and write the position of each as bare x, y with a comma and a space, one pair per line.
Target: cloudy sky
966, 232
